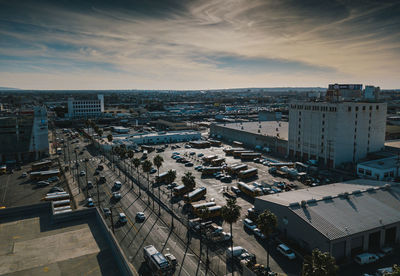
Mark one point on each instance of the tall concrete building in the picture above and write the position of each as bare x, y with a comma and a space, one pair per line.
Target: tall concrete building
335, 132
86, 108
24, 135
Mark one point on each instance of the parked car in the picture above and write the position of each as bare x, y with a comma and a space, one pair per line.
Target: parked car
200, 155
286, 251
43, 183
257, 233
172, 185
249, 224
153, 170
366, 258
56, 190
385, 251
192, 153
24, 174
53, 179
189, 164
198, 168
226, 179
140, 216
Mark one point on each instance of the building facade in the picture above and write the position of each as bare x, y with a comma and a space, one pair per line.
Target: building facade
335, 132
86, 108
380, 169
24, 135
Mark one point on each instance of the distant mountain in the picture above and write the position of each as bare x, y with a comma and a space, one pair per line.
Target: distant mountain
8, 88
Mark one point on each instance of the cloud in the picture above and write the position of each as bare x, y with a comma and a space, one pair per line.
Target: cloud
199, 44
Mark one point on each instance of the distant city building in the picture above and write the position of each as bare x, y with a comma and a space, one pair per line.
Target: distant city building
335, 132
24, 135
269, 135
371, 92
340, 92
265, 115
343, 219
380, 169
86, 108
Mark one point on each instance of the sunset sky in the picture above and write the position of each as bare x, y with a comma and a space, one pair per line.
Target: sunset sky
166, 44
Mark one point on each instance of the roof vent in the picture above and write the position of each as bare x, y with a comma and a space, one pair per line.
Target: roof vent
311, 201
294, 204
356, 192
326, 198
370, 190
303, 203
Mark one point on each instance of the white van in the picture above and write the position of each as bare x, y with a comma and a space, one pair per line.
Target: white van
237, 251
366, 258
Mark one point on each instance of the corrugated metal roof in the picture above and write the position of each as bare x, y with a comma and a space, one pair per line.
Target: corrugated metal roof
343, 216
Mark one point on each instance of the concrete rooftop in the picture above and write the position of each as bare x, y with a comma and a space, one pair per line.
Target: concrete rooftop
268, 128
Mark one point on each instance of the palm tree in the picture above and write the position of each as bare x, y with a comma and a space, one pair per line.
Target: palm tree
171, 176
188, 180
230, 213
319, 264
267, 222
136, 163
109, 137
203, 213
146, 167
157, 161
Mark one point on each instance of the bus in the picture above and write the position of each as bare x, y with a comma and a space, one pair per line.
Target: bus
250, 156
162, 177
210, 170
235, 169
237, 144
238, 153
195, 195
157, 262
195, 207
41, 165
229, 151
3, 169
207, 159
247, 173
249, 190
217, 162
213, 211
182, 189
44, 175
59, 151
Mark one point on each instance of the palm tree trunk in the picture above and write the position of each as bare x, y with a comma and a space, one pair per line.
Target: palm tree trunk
231, 259
268, 242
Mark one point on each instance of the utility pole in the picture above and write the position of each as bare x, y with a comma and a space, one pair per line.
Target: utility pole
98, 193
112, 220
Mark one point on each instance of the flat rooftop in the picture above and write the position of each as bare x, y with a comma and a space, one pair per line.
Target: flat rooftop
268, 128
382, 164
31, 244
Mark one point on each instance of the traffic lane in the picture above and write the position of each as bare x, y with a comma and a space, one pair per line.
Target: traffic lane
160, 234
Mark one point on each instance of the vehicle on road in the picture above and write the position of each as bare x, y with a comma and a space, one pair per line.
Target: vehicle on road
89, 185
286, 251
82, 173
89, 202
157, 262
140, 216
107, 212
100, 167
237, 251
116, 196
258, 234
24, 174
122, 218
42, 183
172, 185
117, 185
249, 224
171, 259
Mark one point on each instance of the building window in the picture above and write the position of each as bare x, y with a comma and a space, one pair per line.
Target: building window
377, 107
349, 108
322, 137
356, 108
391, 174
323, 123
323, 115
370, 108
298, 139
323, 129
386, 174
361, 170
363, 107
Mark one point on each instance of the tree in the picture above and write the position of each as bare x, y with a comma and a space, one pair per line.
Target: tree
109, 137
136, 163
100, 132
146, 167
157, 161
203, 213
171, 176
395, 271
188, 180
267, 222
230, 213
319, 264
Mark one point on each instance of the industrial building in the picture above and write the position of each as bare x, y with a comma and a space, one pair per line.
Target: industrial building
86, 108
343, 219
380, 169
335, 132
268, 134
34, 241
24, 135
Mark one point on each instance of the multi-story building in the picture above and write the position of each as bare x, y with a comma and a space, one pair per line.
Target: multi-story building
24, 135
335, 132
86, 108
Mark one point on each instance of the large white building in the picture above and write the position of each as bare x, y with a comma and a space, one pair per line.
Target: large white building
86, 108
335, 132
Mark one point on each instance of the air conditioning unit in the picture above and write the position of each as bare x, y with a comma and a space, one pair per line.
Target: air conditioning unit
303, 203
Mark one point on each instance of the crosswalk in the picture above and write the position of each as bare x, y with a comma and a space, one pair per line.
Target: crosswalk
81, 160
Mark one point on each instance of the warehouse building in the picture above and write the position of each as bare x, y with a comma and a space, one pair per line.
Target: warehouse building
343, 219
380, 169
24, 135
268, 134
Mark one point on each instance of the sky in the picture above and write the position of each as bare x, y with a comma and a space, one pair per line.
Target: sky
189, 44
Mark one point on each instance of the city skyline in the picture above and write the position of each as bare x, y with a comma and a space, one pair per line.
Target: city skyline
198, 45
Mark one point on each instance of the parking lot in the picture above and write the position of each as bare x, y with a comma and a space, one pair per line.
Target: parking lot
215, 192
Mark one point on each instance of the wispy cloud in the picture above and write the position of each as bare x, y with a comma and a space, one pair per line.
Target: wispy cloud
198, 44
